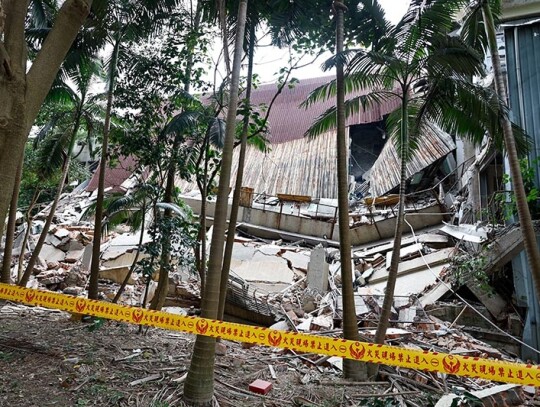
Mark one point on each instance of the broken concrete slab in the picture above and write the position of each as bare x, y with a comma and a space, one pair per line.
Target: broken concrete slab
73, 256
51, 253
243, 252
269, 250
410, 266
124, 259
116, 274
299, 260
61, 233
469, 233
493, 302
318, 269
502, 395
87, 257
407, 315
405, 252
433, 240
434, 294
322, 322
391, 333
414, 282
360, 305
271, 270
305, 325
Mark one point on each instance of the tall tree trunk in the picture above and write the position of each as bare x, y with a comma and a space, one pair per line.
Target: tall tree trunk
96, 248
524, 214
202, 231
35, 254
384, 319
233, 217
165, 262
199, 385
351, 369
224, 36
135, 260
29, 219
65, 170
5, 276
23, 93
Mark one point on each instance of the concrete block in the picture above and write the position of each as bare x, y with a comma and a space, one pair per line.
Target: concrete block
318, 268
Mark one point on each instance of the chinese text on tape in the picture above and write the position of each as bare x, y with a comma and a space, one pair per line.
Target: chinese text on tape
494, 370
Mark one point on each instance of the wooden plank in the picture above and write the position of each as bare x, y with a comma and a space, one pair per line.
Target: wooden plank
293, 198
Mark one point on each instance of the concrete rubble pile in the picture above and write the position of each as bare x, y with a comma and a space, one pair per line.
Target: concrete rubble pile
292, 286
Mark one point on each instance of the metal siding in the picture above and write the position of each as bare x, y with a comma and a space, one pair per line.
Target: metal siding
385, 173
523, 59
523, 55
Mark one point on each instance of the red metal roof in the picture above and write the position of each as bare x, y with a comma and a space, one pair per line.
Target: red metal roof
288, 121
114, 177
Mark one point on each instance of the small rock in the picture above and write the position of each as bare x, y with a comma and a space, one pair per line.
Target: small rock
52, 265
221, 349
72, 290
280, 326
75, 278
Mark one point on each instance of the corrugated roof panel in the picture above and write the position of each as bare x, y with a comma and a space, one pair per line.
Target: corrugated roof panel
299, 167
385, 173
288, 121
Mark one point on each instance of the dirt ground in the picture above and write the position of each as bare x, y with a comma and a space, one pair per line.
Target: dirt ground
46, 359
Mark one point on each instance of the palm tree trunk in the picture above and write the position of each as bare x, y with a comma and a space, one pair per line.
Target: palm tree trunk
35, 254
165, 261
524, 214
96, 248
5, 276
233, 217
199, 385
29, 219
202, 184
135, 260
384, 319
351, 369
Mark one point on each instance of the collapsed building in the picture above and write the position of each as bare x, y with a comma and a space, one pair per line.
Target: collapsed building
458, 277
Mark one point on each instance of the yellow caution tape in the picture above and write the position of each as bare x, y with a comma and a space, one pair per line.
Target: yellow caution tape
494, 370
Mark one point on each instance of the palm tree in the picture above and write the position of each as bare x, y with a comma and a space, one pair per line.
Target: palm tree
199, 385
57, 148
351, 369
485, 13
429, 71
133, 209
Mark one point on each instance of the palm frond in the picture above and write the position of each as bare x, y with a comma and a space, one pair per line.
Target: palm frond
52, 153
216, 132
328, 120
353, 82
405, 147
182, 123
472, 29
48, 127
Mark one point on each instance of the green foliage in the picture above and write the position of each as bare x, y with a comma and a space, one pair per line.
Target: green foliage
174, 234
467, 267
506, 201
379, 402
96, 324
